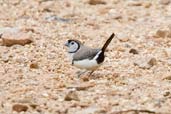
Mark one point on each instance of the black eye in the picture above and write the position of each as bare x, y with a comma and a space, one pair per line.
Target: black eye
72, 43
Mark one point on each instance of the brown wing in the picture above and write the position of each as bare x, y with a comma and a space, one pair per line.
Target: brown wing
85, 53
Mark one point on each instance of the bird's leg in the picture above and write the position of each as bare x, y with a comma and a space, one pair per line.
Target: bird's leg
91, 72
80, 73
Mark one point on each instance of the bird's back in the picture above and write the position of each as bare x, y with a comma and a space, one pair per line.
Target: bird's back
85, 53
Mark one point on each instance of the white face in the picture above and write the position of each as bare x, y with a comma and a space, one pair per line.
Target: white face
72, 45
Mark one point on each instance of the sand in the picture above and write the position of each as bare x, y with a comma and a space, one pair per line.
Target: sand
38, 78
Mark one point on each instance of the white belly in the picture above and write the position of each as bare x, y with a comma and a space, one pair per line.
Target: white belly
87, 64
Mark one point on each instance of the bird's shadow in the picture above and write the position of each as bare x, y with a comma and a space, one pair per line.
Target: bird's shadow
97, 75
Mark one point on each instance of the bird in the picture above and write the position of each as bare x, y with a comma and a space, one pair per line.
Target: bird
85, 57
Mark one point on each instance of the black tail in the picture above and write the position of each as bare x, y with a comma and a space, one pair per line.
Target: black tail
101, 56
107, 42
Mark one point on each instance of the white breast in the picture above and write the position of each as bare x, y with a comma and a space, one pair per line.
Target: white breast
70, 56
86, 64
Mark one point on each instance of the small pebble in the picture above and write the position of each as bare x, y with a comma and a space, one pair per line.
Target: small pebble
123, 37
152, 62
167, 93
34, 65
165, 2
72, 95
5, 58
20, 107
135, 3
15, 36
161, 34
95, 2
133, 51
145, 62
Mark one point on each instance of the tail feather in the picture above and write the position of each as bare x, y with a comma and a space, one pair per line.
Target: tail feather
107, 42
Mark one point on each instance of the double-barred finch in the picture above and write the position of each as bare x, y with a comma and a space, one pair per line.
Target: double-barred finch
85, 57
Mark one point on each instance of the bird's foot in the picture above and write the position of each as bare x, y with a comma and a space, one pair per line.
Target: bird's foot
91, 73
79, 73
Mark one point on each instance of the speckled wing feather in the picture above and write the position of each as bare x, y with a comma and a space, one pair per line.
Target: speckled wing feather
85, 53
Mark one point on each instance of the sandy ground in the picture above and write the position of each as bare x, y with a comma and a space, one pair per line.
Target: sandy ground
38, 78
